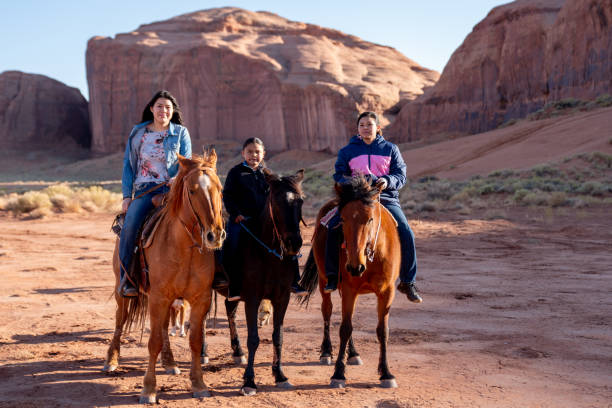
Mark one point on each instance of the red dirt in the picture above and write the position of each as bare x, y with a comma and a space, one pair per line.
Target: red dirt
517, 312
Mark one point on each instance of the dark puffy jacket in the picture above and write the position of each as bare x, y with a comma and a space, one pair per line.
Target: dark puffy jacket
245, 191
377, 159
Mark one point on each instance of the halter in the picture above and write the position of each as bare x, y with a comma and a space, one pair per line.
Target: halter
200, 247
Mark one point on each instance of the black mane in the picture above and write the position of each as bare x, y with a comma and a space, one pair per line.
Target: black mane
358, 188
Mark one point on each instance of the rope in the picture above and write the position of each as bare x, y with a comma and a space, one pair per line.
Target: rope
271, 251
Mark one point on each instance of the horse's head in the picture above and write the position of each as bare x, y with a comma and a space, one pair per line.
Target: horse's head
360, 221
285, 206
195, 197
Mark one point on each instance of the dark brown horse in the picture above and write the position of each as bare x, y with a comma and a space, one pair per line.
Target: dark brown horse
270, 258
181, 265
370, 264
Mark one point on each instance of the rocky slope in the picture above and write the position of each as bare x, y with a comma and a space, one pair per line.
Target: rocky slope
238, 74
521, 56
39, 112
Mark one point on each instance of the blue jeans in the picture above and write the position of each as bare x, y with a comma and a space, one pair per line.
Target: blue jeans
408, 266
135, 216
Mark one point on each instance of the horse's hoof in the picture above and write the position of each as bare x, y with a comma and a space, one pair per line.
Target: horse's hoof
334, 383
248, 391
201, 394
173, 370
109, 368
204, 359
286, 385
148, 399
240, 360
390, 383
326, 360
355, 360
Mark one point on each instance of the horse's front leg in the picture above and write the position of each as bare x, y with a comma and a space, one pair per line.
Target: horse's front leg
387, 380
338, 380
280, 308
199, 308
250, 307
158, 315
326, 310
238, 353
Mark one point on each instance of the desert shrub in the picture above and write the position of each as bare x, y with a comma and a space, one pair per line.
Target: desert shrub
440, 190
604, 100
505, 173
28, 202
557, 199
428, 206
602, 160
593, 188
535, 198
567, 103
508, 123
519, 195
545, 170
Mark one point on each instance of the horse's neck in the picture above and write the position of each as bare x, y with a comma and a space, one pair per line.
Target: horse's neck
265, 221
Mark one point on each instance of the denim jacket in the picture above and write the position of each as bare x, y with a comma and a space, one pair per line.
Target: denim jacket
177, 142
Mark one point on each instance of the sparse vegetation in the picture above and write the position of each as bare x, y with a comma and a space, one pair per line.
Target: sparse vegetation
60, 198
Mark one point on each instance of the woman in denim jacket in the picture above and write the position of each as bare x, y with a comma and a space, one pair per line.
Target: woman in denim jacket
150, 161
368, 154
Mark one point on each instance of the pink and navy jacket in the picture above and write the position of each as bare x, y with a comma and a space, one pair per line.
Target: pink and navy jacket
378, 159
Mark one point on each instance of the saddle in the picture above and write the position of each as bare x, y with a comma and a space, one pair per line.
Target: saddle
139, 271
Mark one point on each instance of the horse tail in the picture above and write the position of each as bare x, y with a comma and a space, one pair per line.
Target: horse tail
136, 311
310, 278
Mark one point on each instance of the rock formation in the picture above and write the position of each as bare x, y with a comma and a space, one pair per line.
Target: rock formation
238, 74
39, 112
521, 56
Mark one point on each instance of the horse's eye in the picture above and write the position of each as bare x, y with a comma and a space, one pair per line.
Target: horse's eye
191, 191
371, 220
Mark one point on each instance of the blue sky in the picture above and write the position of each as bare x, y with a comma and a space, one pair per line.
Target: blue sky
49, 37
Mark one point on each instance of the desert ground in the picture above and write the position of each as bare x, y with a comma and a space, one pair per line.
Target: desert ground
517, 313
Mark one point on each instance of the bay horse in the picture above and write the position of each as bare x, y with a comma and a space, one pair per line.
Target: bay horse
370, 263
268, 265
181, 265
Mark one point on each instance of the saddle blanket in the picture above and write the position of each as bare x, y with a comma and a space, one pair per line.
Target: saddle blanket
327, 217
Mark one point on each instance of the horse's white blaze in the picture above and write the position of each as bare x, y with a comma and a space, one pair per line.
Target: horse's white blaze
205, 184
291, 196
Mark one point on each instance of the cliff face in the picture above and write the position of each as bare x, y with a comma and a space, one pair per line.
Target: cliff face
522, 55
39, 112
238, 74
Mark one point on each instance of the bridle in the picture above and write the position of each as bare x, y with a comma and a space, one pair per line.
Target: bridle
199, 222
371, 248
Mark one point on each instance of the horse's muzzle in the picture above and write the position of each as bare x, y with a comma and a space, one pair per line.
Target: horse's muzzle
293, 245
215, 238
356, 270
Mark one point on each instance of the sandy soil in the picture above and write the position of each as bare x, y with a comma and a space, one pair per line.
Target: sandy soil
517, 313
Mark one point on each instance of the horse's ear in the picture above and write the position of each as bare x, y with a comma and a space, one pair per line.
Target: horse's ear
299, 175
212, 157
185, 162
269, 175
338, 188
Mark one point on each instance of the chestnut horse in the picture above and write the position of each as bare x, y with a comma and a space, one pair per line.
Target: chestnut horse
181, 265
370, 264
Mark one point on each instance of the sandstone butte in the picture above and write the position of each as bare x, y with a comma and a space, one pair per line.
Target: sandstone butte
521, 56
37, 112
238, 74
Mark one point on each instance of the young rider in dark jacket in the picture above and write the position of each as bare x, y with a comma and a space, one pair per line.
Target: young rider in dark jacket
244, 195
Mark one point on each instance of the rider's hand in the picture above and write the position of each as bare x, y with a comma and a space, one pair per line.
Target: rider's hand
239, 219
125, 204
381, 183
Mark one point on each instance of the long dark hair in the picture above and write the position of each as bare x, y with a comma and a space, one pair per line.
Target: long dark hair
177, 117
371, 115
255, 141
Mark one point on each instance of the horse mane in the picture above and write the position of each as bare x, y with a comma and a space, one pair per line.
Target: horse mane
175, 195
357, 188
291, 183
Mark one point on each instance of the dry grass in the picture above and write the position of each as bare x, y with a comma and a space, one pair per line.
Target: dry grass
60, 198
